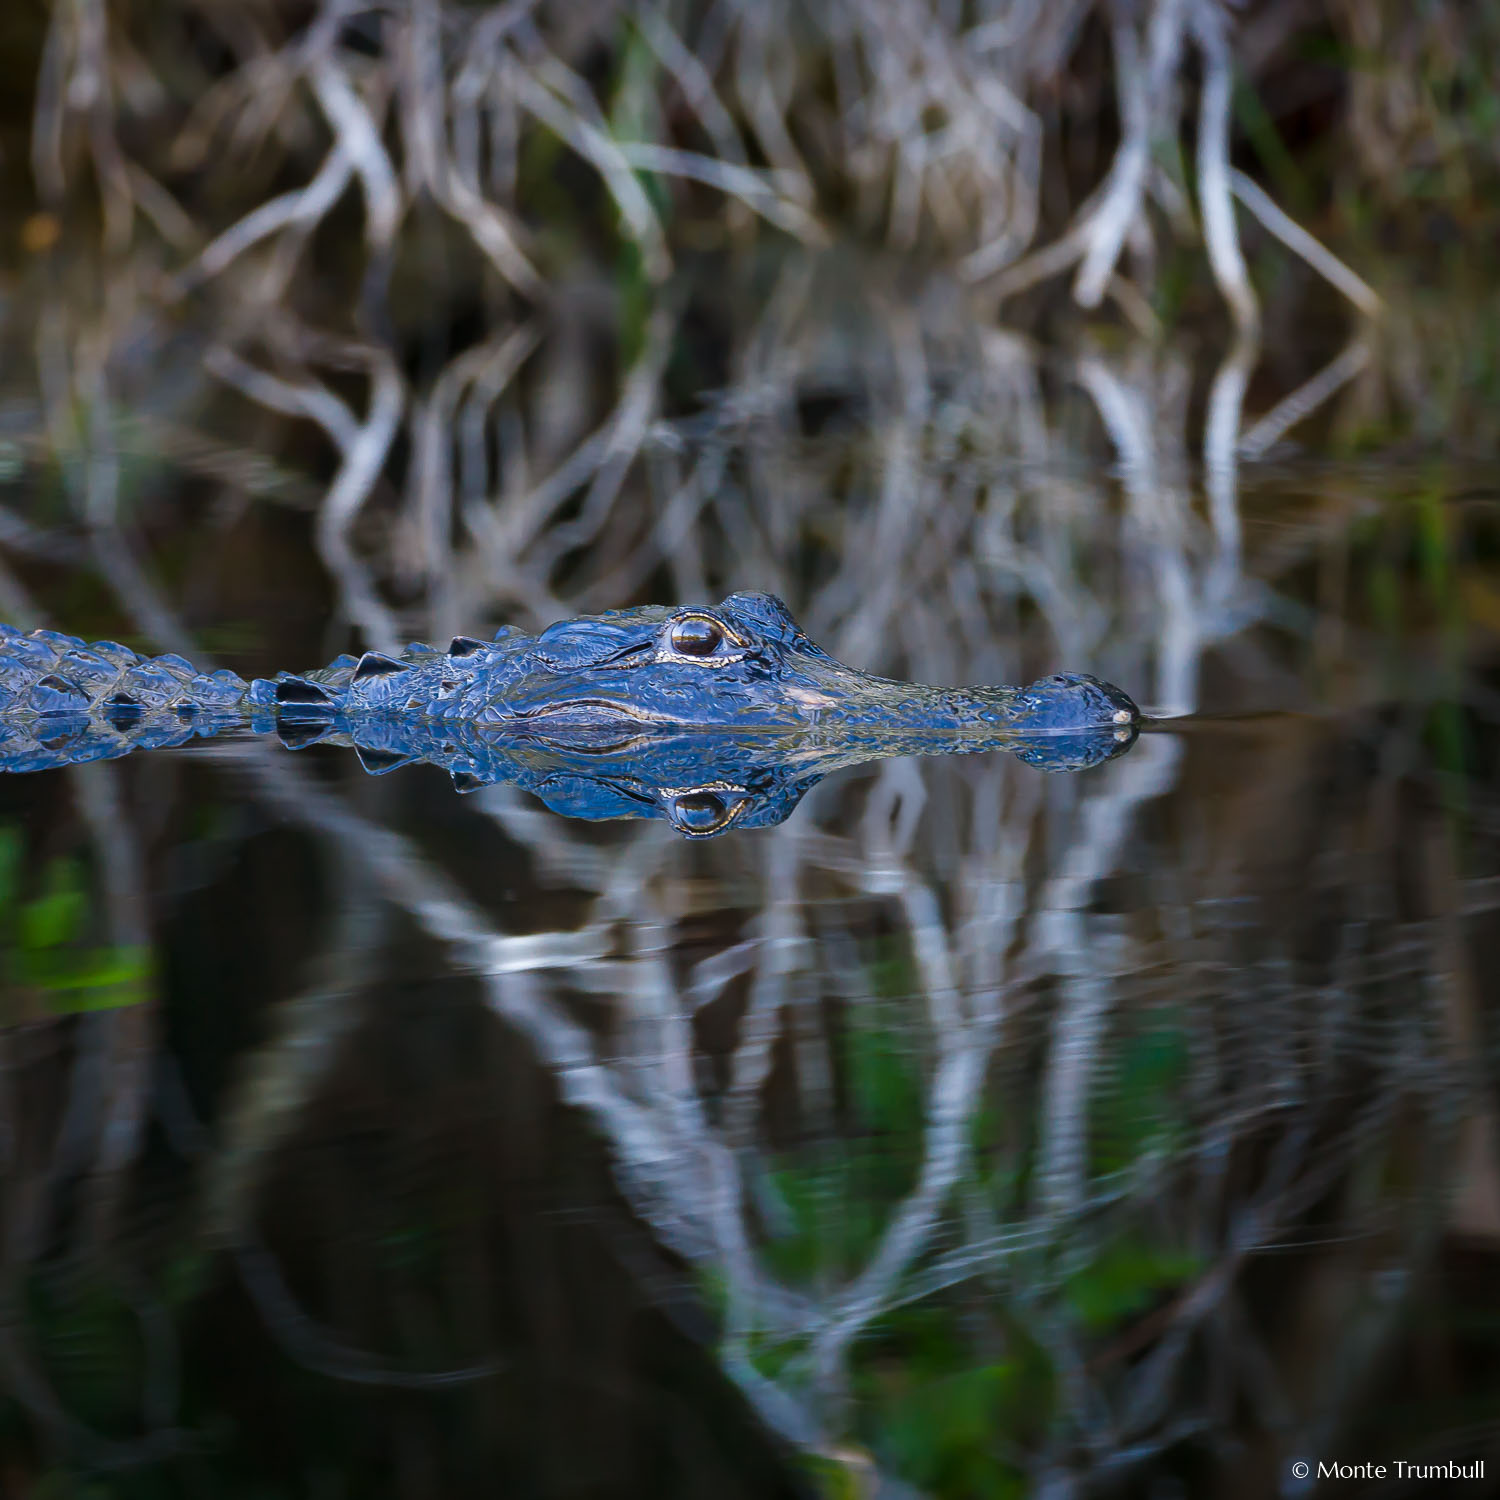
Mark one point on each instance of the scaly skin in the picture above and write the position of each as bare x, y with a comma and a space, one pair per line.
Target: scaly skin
610, 702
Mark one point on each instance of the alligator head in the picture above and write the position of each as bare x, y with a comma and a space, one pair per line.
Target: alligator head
745, 664
711, 717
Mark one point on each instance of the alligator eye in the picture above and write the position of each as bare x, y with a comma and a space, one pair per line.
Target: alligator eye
697, 636
700, 813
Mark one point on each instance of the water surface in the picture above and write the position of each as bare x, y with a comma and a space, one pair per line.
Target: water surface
975, 1130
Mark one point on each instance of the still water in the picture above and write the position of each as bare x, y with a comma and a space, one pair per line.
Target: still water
969, 1130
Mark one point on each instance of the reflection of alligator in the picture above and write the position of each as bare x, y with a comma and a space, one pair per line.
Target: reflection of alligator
709, 717
702, 782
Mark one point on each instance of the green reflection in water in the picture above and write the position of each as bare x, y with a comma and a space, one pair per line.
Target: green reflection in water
49, 967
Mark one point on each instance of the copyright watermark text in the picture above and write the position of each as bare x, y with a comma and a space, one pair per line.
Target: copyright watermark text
1391, 1468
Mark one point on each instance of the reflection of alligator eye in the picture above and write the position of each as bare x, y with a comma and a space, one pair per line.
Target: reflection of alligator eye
699, 812
697, 636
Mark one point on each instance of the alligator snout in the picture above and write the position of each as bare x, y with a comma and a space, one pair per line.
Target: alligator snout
1074, 700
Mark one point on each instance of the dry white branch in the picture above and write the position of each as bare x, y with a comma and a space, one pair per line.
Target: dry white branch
1142, 93
744, 183
1296, 238
1219, 233
485, 371
362, 446
560, 113
758, 85
357, 133
694, 80
1147, 99
301, 207
493, 230
1221, 439
171, 221
512, 526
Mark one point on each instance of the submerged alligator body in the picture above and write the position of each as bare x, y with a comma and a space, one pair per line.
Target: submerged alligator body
710, 717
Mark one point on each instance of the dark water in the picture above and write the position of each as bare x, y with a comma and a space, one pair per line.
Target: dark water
974, 1132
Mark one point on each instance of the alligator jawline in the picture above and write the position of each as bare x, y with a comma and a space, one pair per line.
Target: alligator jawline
603, 710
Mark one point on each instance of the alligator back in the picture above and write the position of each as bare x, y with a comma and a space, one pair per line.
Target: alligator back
64, 700
44, 672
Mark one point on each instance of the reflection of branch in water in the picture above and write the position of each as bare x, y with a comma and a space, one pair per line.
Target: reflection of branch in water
282, 1076
66, 1434
318, 1349
113, 1067
1063, 933
964, 1046
362, 447
1221, 434
1305, 400
1158, 511
473, 381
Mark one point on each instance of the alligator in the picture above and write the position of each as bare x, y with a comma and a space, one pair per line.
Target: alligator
710, 717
